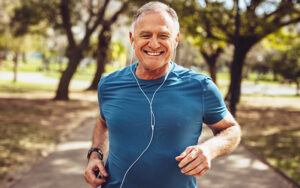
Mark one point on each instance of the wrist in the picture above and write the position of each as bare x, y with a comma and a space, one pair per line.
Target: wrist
207, 151
95, 153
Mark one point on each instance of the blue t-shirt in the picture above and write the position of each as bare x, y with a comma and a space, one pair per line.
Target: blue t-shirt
181, 105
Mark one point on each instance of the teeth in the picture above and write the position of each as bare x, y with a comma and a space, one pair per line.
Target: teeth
149, 53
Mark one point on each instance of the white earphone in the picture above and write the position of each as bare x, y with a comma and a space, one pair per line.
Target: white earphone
152, 116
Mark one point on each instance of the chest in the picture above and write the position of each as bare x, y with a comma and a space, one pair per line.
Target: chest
177, 106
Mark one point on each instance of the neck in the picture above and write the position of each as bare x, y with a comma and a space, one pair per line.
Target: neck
148, 74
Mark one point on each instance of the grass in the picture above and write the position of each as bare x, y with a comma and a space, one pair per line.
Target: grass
31, 66
83, 73
29, 127
272, 129
25, 87
278, 151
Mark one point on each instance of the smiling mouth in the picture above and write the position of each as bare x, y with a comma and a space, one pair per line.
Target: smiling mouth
154, 53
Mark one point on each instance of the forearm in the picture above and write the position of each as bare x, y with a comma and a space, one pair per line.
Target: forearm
100, 136
223, 142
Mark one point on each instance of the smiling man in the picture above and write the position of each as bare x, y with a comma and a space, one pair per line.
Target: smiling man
152, 114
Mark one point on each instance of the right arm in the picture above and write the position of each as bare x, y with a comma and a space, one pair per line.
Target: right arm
100, 140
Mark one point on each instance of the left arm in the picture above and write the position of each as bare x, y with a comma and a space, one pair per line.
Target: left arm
196, 160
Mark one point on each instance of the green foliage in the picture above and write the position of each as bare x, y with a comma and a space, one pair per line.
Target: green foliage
285, 60
35, 16
282, 150
25, 87
118, 52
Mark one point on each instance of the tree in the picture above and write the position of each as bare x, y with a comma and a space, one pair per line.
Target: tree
75, 50
210, 49
9, 41
104, 40
285, 59
243, 28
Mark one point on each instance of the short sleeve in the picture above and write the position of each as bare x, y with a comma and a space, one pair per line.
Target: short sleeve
214, 108
100, 101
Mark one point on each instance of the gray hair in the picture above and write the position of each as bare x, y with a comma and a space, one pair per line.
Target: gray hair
155, 6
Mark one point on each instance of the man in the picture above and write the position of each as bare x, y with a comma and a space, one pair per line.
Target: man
152, 112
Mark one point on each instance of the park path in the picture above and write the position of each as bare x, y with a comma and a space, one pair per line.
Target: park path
64, 167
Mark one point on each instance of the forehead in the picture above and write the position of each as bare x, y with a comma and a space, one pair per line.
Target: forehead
154, 21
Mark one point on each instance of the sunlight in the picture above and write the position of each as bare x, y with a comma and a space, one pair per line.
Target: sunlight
74, 145
239, 161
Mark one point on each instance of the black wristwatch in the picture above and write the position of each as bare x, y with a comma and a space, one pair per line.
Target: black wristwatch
96, 150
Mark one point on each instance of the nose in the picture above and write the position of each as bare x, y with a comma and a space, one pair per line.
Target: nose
154, 43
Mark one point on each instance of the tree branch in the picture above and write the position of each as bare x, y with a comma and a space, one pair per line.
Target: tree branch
89, 31
290, 22
116, 15
91, 13
65, 13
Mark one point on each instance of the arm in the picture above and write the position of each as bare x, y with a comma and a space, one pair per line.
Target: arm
100, 140
196, 160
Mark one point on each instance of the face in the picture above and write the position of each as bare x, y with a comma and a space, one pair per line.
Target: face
154, 40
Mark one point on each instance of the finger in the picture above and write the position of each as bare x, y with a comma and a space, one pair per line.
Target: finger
89, 175
90, 178
102, 169
194, 164
184, 154
189, 158
202, 172
95, 182
98, 181
179, 158
197, 170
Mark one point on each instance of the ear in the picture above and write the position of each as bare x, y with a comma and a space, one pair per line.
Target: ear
131, 39
177, 38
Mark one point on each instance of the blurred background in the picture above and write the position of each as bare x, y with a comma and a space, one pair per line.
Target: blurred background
53, 54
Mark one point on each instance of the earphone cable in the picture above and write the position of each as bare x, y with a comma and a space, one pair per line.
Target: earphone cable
152, 117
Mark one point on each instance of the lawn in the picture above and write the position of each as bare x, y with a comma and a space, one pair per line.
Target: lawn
82, 74
271, 127
30, 127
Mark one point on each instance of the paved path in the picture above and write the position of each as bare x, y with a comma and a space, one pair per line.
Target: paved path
64, 167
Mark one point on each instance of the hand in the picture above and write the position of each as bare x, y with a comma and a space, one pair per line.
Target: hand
194, 161
95, 164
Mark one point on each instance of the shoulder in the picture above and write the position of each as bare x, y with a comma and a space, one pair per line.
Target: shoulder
116, 76
189, 75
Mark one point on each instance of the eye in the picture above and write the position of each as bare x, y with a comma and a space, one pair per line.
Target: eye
146, 36
164, 36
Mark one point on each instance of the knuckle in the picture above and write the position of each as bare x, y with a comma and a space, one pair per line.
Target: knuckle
198, 169
190, 147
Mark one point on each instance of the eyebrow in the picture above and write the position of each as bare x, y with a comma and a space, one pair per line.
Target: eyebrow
148, 32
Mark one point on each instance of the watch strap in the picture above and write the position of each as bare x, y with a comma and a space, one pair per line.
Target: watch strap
95, 150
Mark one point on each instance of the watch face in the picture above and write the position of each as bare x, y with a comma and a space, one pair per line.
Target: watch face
95, 150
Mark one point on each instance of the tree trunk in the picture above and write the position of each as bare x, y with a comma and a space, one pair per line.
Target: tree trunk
24, 57
16, 64
213, 72
236, 71
62, 93
211, 61
104, 39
